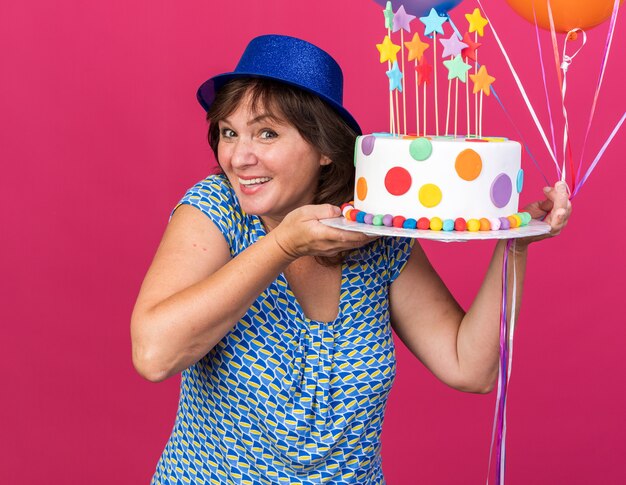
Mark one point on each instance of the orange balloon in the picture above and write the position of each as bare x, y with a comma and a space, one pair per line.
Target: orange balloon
567, 14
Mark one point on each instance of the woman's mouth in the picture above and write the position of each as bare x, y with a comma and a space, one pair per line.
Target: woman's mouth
253, 182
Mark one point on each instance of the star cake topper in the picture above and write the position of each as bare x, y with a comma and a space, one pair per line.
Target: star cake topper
482, 81
452, 47
388, 13
472, 47
388, 50
395, 77
433, 22
402, 20
416, 47
457, 68
477, 22
424, 72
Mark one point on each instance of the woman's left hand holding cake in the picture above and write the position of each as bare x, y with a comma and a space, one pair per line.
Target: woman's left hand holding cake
555, 210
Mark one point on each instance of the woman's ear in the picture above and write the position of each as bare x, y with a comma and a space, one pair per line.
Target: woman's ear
325, 161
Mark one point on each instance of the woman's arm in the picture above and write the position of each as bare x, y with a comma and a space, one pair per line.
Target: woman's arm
194, 293
462, 349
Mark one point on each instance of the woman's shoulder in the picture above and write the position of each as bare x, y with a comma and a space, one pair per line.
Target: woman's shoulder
213, 193
215, 198
215, 187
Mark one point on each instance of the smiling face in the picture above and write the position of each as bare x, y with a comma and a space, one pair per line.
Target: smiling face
272, 169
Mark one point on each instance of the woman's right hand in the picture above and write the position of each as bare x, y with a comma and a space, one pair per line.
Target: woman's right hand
302, 234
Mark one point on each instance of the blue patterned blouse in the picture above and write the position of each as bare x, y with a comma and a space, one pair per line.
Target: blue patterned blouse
283, 399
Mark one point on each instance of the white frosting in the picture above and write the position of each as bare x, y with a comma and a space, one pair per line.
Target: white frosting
459, 197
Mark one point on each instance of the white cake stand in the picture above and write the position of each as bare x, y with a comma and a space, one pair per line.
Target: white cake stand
534, 228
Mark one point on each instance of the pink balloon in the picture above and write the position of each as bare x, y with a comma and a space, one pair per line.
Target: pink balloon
421, 8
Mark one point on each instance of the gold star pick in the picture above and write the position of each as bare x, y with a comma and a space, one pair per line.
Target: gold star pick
477, 22
482, 81
416, 48
388, 50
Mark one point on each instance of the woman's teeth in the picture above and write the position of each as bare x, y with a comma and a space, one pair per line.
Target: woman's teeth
260, 180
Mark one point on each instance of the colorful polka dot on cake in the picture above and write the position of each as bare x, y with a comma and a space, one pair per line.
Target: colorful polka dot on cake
367, 144
429, 195
361, 188
398, 181
468, 165
501, 190
421, 149
520, 181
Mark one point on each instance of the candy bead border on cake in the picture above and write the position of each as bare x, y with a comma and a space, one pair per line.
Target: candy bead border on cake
519, 219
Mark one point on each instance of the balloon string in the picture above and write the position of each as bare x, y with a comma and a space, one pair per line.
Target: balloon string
557, 64
563, 62
545, 83
555, 50
511, 333
520, 135
521, 88
509, 117
567, 61
607, 49
600, 153
504, 371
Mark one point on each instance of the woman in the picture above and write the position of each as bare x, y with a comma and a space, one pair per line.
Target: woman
281, 325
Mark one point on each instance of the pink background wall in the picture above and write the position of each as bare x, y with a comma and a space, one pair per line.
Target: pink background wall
101, 135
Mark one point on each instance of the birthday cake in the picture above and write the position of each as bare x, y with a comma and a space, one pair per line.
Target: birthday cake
450, 182
440, 183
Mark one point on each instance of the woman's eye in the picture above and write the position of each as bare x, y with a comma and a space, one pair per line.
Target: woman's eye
268, 134
227, 133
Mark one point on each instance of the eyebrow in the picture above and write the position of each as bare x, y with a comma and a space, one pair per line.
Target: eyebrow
259, 118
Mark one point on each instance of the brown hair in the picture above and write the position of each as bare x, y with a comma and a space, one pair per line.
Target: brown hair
315, 120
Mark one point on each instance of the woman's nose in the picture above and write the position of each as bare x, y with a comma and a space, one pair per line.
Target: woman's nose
243, 153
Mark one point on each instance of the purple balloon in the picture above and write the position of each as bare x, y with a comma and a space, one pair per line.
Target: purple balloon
421, 8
